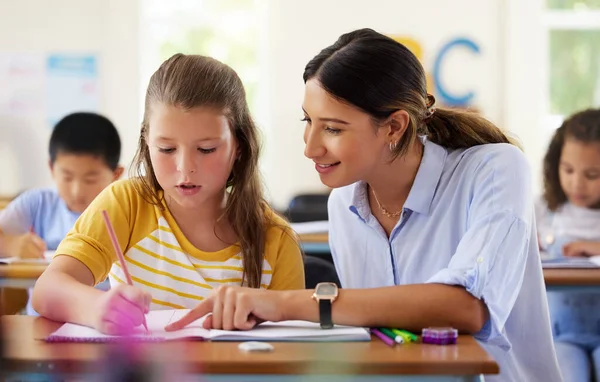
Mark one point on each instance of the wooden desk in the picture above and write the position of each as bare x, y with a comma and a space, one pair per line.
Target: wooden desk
18, 275
217, 360
319, 238
5, 201
579, 279
556, 278
315, 243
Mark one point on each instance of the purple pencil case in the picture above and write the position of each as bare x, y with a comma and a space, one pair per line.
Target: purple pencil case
439, 336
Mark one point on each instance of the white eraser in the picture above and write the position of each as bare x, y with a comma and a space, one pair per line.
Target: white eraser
256, 346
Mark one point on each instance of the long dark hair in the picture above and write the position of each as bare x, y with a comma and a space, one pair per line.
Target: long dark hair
583, 126
189, 81
380, 76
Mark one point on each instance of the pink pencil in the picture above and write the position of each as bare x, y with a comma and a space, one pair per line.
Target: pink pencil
117, 247
383, 337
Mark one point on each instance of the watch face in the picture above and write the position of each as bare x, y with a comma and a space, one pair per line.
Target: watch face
326, 289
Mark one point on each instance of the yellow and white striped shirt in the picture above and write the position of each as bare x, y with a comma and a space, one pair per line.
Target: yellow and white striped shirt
162, 261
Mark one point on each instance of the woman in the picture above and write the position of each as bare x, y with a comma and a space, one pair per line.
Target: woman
431, 219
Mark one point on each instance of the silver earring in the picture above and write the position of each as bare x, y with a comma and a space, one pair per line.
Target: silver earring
393, 146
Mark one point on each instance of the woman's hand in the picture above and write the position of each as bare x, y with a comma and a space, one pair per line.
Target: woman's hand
234, 307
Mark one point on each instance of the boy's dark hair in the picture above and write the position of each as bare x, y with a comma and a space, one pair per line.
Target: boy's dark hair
583, 126
86, 134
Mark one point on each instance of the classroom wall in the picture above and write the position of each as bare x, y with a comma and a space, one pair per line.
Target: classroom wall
108, 28
506, 86
298, 30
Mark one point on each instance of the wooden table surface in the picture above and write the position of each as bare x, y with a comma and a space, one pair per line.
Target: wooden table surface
572, 276
24, 352
22, 270
318, 238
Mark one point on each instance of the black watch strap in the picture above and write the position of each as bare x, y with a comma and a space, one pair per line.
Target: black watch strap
325, 314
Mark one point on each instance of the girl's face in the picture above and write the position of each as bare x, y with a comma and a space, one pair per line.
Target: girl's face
340, 139
579, 172
192, 153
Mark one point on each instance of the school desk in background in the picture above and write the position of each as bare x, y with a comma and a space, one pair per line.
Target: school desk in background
307, 208
549, 262
15, 276
556, 276
48, 255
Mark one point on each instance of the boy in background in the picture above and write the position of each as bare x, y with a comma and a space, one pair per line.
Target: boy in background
85, 149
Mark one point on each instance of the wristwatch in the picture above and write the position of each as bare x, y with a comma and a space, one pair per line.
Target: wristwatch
325, 294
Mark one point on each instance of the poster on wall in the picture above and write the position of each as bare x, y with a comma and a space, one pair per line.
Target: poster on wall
22, 84
71, 85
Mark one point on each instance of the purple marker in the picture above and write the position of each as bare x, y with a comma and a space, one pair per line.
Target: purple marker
439, 336
383, 337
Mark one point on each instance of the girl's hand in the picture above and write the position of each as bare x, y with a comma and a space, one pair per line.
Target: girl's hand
234, 307
582, 248
121, 309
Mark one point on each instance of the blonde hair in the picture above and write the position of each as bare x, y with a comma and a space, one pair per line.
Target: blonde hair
188, 81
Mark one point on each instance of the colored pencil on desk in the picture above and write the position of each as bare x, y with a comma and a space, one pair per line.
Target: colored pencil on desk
402, 335
393, 336
117, 247
412, 336
383, 337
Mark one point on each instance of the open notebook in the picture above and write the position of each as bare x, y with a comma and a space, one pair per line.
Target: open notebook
569, 262
46, 260
267, 331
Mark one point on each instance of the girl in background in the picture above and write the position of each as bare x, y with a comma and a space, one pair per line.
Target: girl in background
568, 221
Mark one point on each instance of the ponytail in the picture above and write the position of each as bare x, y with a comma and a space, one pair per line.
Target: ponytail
458, 129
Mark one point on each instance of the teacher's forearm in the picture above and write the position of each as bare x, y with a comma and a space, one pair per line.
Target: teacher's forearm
407, 306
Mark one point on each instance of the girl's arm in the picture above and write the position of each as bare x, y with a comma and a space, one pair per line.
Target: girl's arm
65, 292
17, 238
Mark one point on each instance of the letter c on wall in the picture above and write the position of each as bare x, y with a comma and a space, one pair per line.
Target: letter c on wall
446, 96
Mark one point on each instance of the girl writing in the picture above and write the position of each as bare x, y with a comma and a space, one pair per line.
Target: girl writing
193, 218
568, 221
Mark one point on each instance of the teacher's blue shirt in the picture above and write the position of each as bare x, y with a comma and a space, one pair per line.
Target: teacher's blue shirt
468, 221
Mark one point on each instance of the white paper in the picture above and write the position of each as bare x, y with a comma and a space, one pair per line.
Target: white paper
571, 262
72, 85
46, 260
22, 78
311, 227
158, 319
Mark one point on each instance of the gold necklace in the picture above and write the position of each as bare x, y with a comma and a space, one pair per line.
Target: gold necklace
392, 215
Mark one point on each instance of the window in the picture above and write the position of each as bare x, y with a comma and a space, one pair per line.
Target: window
227, 30
573, 57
